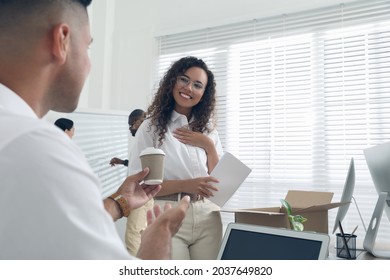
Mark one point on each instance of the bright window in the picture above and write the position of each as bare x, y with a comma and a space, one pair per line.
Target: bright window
298, 96
102, 137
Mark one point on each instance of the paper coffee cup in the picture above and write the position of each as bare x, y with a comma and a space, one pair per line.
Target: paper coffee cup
154, 159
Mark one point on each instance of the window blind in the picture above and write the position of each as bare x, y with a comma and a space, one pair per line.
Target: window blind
299, 95
102, 137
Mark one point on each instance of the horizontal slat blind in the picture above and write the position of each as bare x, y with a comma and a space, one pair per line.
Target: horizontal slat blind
102, 137
299, 95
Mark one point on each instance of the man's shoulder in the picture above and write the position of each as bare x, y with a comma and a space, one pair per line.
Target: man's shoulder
13, 127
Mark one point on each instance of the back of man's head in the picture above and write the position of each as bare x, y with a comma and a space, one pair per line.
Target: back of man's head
136, 115
44, 51
26, 18
11, 11
31, 5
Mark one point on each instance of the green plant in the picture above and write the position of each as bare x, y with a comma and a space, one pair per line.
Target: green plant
296, 221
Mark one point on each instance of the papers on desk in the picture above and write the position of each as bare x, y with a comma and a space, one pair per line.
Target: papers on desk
230, 172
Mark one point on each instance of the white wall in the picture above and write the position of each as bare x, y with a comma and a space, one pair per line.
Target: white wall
123, 51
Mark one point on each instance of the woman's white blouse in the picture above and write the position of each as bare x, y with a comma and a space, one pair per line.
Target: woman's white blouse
181, 161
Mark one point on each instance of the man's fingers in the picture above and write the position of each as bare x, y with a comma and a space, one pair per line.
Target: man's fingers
167, 206
185, 203
152, 214
157, 210
152, 190
149, 217
139, 177
156, 189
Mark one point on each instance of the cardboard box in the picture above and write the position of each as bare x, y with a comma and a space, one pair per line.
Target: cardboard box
312, 205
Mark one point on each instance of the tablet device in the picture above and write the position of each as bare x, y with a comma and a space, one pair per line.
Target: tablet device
231, 173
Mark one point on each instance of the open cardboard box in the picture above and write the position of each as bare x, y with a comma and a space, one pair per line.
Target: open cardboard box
312, 205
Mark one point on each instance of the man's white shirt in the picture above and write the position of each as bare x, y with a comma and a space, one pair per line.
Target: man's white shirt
50, 201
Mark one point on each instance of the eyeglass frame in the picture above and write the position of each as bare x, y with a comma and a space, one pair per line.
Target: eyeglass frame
180, 81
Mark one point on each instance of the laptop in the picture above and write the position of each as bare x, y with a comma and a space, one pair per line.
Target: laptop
253, 242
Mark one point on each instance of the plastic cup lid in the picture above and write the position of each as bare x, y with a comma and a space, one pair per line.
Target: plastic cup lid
151, 150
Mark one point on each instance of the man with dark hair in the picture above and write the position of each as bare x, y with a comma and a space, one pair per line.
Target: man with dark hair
136, 118
50, 202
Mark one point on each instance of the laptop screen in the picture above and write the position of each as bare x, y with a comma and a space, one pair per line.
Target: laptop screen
263, 243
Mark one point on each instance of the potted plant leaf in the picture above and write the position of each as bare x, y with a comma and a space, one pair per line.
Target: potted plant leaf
296, 221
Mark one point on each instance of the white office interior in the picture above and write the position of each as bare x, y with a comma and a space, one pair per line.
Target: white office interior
125, 53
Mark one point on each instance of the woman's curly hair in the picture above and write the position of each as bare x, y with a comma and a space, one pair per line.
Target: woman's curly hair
163, 104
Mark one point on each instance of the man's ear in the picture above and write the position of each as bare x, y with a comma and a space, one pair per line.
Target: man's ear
60, 42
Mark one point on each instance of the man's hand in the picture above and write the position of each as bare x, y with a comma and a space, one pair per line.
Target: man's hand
135, 194
156, 239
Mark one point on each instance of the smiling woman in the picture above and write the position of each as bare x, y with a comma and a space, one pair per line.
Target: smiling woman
180, 122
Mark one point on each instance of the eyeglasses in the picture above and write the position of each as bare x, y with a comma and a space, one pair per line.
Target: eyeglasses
184, 81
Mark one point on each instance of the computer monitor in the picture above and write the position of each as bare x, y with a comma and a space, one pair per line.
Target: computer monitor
378, 162
346, 196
